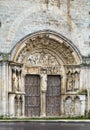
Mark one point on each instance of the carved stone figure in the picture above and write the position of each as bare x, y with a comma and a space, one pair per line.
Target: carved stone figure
69, 82
41, 59
72, 79
44, 82
69, 106
76, 81
14, 82
16, 79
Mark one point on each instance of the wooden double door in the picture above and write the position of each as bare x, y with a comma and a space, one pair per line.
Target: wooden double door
33, 98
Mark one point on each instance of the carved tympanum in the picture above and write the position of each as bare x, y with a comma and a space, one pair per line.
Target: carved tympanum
41, 59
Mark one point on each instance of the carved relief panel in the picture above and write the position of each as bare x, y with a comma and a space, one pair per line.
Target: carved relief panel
41, 59
72, 106
72, 79
69, 106
43, 62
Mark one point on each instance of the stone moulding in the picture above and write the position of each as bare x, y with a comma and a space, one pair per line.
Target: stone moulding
51, 41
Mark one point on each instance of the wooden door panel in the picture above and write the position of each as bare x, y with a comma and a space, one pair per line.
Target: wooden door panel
32, 96
53, 95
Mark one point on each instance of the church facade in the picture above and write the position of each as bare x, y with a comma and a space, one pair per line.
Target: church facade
44, 58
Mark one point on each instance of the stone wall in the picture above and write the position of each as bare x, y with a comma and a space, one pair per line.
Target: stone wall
67, 23
21, 17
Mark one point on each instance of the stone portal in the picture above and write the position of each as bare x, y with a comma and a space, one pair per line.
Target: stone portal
46, 76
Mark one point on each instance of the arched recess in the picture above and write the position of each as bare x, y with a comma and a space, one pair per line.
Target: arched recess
46, 53
50, 40
54, 49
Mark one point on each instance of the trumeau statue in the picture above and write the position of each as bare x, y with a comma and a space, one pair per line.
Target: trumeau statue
44, 81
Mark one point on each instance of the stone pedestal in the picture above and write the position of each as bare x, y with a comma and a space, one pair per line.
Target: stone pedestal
11, 104
16, 104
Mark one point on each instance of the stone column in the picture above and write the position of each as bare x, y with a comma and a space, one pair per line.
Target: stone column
22, 82
19, 80
18, 106
1, 89
88, 98
23, 105
4, 88
10, 79
88, 87
43, 94
23, 96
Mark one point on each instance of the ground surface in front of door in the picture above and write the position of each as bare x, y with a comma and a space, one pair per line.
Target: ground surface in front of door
43, 126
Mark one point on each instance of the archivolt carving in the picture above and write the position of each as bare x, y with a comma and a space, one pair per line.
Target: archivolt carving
46, 42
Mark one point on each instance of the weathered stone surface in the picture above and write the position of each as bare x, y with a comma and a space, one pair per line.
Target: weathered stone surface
44, 38
21, 18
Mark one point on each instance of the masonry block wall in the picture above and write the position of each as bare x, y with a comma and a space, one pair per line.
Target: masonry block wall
20, 18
